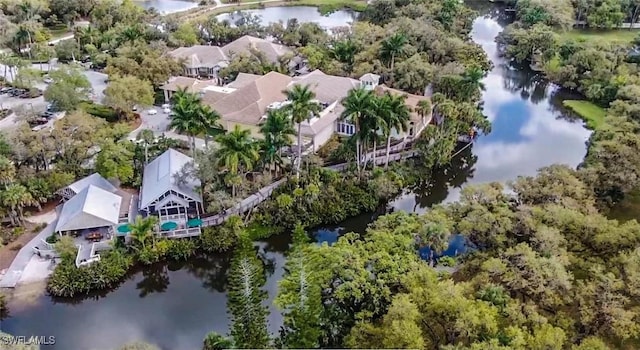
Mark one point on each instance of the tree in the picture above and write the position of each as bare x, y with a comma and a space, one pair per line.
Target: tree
245, 298
607, 15
277, 131
142, 230
28, 77
185, 35
392, 48
122, 93
209, 120
7, 171
186, 107
357, 105
238, 152
302, 108
66, 248
67, 50
115, 161
68, 89
299, 297
15, 198
397, 118
215, 341
376, 122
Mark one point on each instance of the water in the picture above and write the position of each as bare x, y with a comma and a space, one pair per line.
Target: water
175, 305
167, 6
301, 13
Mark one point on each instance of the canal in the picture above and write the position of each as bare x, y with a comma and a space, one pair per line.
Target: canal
175, 305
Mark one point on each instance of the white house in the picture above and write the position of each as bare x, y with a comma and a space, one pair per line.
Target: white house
173, 199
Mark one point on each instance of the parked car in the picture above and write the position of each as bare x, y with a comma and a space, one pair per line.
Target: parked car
152, 112
47, 80
4, 90
166, 105
166, 110
135, 108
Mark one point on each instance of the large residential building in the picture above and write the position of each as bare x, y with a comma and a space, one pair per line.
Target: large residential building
206, 61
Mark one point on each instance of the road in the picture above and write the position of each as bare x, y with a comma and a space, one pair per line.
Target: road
159, 124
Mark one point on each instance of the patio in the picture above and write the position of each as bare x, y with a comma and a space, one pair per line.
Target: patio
179, 225
90, 242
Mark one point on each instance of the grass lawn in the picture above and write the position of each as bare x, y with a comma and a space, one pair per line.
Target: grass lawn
593, 115
613, 35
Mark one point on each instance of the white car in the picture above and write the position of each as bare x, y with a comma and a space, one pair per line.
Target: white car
166, 105
166, 110
152, 112
47, 80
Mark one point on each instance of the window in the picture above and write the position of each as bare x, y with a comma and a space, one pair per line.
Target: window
345, 128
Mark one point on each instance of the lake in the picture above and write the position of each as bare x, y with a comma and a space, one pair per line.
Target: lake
167, 6
301, 13
175, 305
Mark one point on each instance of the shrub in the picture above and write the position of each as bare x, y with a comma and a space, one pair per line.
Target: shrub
52, 239
181, 249
447, 261
221, 238
68, 280
152, 254
100, 111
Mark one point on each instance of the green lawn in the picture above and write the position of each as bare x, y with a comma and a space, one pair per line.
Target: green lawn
593, 115
613, 35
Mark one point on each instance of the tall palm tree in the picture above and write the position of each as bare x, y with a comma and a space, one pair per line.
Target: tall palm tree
376, 121
209, 122
472, 78
423, 108
393, 47
357, 105
277, 131
147, 137
185, 116
397, 118
15, 198
303, 107
237, 151
130, 34
142, 230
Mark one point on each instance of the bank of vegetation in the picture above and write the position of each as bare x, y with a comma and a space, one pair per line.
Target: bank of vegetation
605, 72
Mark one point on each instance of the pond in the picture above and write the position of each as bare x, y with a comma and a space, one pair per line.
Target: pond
175, 305
167, 6
301, 13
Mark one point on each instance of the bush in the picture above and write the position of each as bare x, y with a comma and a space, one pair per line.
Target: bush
100, 111
16, 247
222, 238
152, 254
52, 239
447, 261
68, 280
181, 249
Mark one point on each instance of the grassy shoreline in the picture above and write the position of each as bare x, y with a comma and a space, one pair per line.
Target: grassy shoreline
592, 114
621, 36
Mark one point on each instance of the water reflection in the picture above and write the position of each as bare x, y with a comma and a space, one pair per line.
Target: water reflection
172, 304
301, 13
529, 128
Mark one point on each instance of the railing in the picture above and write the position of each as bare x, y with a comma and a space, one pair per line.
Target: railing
93, 256
180, 233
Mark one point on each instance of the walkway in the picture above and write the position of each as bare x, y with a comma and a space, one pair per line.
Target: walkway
15, 272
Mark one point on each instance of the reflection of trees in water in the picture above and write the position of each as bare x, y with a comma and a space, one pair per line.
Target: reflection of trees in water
529, 84
155, 279
211, 269
491, 10
555, 104
436, 189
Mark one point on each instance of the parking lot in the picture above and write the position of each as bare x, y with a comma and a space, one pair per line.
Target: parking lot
37, 106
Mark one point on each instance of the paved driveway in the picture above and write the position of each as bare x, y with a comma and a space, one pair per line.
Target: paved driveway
11, 121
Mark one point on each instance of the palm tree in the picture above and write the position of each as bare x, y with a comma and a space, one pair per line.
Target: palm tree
397, 118
7, 171
435, 236
357, 105
277, 131
376, 121
393, 47
209, 122
423, 108
130, 34
16, 198
185, 116
303, 107
472, 78
147, 137
345, 51
142, 229
237, 151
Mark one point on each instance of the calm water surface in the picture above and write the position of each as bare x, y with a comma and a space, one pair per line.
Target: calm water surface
175, 305
167, 6
301, 13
